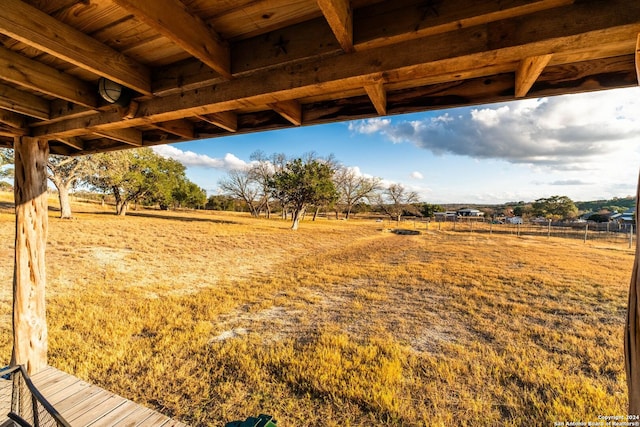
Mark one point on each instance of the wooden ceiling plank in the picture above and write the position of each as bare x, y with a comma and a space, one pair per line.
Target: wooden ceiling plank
227, 120
378, 97
180, 127
290, 110
129, 136
528, 71
37, 76
73, 142
401, 20
22, 102
340, 18
171, 19
35, 28
428, 56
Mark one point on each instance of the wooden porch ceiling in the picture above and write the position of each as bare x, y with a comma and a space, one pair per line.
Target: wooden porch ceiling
210, 68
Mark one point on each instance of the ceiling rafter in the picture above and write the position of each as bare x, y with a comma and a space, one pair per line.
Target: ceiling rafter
13, 119
638, 57
73, 142
180, 127
340, 18
528, 72
421, 58
227, 120
34, 75
35, 28
290, 110
23, 102
128, 136
378, 96
171, 19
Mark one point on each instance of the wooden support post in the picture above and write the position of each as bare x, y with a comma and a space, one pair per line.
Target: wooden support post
29, 278
632, 331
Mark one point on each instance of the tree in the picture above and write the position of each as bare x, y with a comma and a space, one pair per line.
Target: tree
353, 188
6, 159
555, 207
303, 183
239, 183
260, 172
65, 173
396, 200
427, 209
132, 175
189, 195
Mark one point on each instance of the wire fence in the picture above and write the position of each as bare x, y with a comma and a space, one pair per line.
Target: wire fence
586, 231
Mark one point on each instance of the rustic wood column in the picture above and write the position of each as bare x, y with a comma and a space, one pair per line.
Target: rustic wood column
29, 277
632, 328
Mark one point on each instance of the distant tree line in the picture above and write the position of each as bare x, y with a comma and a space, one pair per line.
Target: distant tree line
130, 176
296, 186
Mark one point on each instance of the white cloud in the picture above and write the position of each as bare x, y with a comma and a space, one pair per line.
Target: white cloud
369, 126
416, 175
575, 132
189, 158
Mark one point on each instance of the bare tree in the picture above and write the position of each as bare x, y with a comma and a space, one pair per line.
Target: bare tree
239, 183
353, 188
261, 171
395, 200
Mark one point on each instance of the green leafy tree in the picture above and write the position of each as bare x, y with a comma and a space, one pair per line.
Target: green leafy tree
555, 207
132, 175
303, 183
427, 210
189, 195
65, 173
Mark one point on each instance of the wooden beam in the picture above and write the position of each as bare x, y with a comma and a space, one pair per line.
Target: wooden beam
421, 58
290, 110
227, 120
638, 57
528, 71
172, 19
378, 97
340, 18
35, 28
73, 142
180, 127
30, 338
37, 76
128, 136
22, 102
12, 119
10, 131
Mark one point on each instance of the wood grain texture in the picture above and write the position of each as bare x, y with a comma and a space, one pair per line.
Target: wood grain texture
171, 19
528, 72
30, 278
35, 28
340, 18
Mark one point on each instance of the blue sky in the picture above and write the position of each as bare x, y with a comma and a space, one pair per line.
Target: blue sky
584, 146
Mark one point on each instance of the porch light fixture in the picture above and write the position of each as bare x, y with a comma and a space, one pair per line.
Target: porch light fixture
114, 93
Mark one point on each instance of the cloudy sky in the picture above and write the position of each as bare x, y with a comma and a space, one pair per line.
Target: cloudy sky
583, 146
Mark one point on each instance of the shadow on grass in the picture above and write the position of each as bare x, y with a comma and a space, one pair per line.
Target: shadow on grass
171, 217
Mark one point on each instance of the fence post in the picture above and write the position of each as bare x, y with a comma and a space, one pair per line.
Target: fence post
549, 229
586, 231
631, 236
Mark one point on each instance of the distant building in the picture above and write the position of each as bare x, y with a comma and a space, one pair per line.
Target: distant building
470, 212
445, 216
514, 220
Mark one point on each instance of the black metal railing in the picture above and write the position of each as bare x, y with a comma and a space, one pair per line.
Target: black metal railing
21, 401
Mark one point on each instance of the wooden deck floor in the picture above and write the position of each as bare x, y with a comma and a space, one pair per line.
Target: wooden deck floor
83, 404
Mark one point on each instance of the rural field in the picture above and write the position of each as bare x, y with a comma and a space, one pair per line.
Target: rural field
211, 317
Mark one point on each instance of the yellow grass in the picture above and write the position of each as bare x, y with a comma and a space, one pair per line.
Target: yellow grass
212, 317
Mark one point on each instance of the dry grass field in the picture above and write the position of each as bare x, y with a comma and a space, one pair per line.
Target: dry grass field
212, 317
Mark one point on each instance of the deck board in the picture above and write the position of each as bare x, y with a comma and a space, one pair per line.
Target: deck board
83, 404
